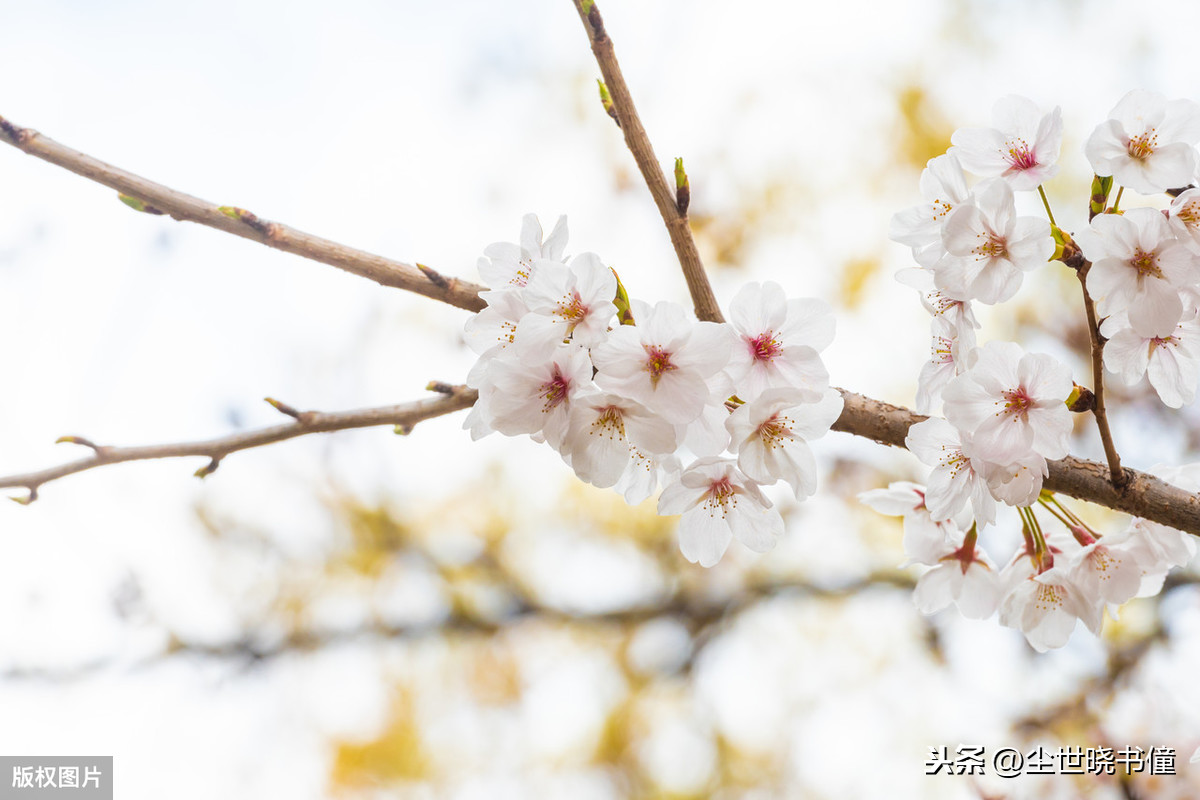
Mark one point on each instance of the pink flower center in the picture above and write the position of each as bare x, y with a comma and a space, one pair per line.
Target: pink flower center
1143, 145
554, 392
722, 496
658, 362
1146, 264
1021, 155
1165, 341
1017, 403
765, 346
775, 432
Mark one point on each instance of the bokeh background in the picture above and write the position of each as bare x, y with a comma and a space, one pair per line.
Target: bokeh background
367, 615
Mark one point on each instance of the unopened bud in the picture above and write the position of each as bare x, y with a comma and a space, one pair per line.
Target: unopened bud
607, 101
683, 191
1100, 189
1081, 400
138, 204
621, 301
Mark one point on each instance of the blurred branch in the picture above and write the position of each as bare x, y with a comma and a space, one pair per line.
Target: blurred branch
701, 614
453, 398
154, 198
670, 206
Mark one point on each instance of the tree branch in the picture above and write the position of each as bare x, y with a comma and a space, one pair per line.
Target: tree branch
1119, 478
154, 198
703, 299
453, 398
1144, 495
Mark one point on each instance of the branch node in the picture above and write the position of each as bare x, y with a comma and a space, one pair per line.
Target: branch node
10, 131
607, 101
283, 408
138, 204
438, 279
80, 441
595, 21
441, 387
267, 229
208, 469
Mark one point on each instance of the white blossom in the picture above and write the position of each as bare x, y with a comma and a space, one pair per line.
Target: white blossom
507, 266
944, 187
1021, 147
954, 482
989, 248
1172, 362
1011, 403
1138, 267
778, 341
1147, 143
770, 436
718, 502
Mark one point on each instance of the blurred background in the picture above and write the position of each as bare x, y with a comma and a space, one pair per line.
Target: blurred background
367, 615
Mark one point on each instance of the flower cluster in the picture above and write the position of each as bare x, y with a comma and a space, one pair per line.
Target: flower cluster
636, 397
1004, 412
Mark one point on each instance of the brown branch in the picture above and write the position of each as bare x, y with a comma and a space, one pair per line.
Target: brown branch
1143, 496
403, 416
1119, 478
154, 198
703, 299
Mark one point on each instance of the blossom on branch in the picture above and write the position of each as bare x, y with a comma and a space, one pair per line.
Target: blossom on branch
1148, 142
1022, 146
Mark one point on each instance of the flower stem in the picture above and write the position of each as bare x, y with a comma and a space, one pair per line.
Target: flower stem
1046, 203
1116, 206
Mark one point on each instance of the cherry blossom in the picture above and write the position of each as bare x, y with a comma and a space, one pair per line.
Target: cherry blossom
779, 341
1184, 218
507, 266
1022, 147
964, 576
989, 248
925, 539
1045, 605
944, 187
574, 301
606, 432
770, 436
946, 361
1138, 267
1147, 143
1107, 569
664, 361
955, 481
1012, 403
952, 318
1172, 362
530, 386
718, 502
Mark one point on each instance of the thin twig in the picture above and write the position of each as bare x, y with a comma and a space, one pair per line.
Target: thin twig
214, 450
1119, 479
638, 142
159, 199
